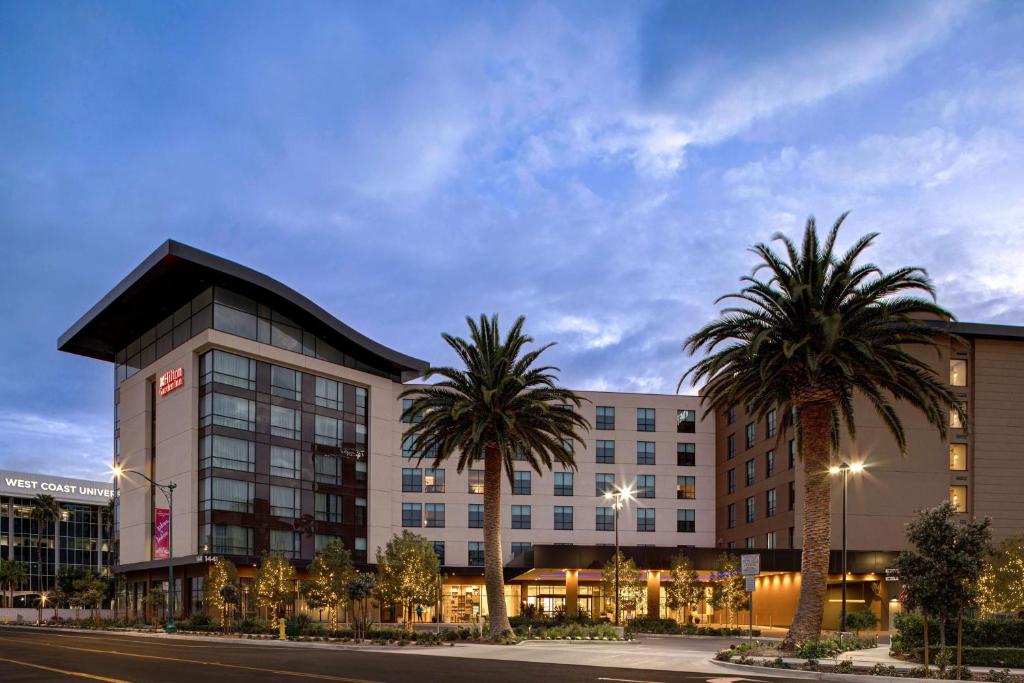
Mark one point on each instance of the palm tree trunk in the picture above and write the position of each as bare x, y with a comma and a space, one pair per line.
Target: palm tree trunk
815, 449
493, 566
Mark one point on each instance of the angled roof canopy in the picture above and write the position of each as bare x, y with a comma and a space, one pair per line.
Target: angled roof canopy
175, 273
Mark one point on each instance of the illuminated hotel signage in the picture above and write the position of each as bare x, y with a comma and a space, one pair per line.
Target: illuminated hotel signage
171, 380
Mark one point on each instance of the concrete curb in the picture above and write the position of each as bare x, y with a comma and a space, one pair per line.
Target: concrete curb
816, 675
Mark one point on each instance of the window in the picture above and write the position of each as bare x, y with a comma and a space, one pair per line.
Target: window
769, 510
771, 540
227, 411
362, 399
686, 421
476, 481
605, 417
958, 497
731, 515
954, 417
792, 496
327, 507
286, 542
286, 383
751, 434
407, 418
751, 471
644, 452
360, 471
686, 454
476, 554
328, 431
360, 519
476, 516
284, 462
958, 372
521, 516
285, 422
227, 494
958, 456
645, 519
433, 480
284, 501
730, 481
686, 521
227, 368
605, 452
328, 469
359, 553
769, 463
522, 483
563, 483
329, 393
435, 515
563, 517
771, 421
686, 487
227, 453
750, 542
412, 515
605, 519
567, 445
604, 482
412, 480
730, 446
792, 453
232, 540
321, 541
520, 548
645, 486
751, 509
439, 551
645, 419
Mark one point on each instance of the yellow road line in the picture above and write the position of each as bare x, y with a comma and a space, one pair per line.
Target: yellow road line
79, 674
279, 672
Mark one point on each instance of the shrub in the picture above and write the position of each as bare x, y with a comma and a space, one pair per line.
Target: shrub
883, 670
724, 655
777, 663
656, 626
919, 672
817, 649
951, 674
991, 632
1012, 657
810, 665
998, 676
254, 626
843, 667
861, 620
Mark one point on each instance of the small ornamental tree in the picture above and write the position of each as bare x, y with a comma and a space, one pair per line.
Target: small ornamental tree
632, 586
407, 573
275, 583
728, 590
327, 586
359, 589
685, 591
12, 575
1001, 587
90, 590
223, 574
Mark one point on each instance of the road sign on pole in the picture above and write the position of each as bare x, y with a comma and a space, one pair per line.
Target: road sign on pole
750, 583
750, 565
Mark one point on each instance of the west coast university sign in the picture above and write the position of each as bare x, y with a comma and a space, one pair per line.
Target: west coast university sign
22, 485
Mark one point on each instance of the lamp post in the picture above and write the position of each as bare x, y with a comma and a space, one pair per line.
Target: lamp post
618, 498
844, 469
168, 491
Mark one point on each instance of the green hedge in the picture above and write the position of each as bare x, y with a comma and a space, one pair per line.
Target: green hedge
985, 633
1011, 657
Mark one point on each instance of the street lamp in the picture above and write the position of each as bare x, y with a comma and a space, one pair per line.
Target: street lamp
845, 469
168, 491
618, 498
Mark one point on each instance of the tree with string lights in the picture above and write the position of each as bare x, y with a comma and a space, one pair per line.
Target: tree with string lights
217, 587
275, 583
329, 574
407, 573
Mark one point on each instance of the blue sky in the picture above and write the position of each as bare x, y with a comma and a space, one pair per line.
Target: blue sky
599, 168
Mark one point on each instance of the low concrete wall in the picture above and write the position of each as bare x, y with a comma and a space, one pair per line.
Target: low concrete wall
12, 615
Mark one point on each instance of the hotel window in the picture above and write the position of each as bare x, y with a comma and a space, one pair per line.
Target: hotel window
412, 515
360, 514
476, 516
605, 417
321, 541
327, 507
439, 551
412, 480
285, 422
730, 415
730, 446
958, 372
522, 483
731, 515
645, 519
284, 462
328, 431
232, 540
286, 542
645, 486
645, 419
771, 540
406, 417
563, 483
686, 521
476, 554
769, 463
435, 515
604, 519
329, 394
521, 516
769, 503
359, 554
792, 453
228, 453
227, 368
227, 494
730, 481
476, 481
686, 421
954, 417
751, 509
644, 452
285, 382
433, 480
771, 423
361, 403
686, 455
604, 483
519, 548
751, 434
605, 452
792, 496
563, 517
958, 456
328, 469
751, 471
686, 488
284, 501
750, 542
958, 497
360, 471
567, 445
227, 411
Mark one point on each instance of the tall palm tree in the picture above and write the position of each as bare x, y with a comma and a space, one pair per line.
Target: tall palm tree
497, 407
45, 509
818, 330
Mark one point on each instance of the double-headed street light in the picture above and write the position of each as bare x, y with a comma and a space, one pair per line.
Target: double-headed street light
845, 469
618, 497
168, 491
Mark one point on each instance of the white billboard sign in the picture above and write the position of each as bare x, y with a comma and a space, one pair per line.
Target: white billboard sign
750, 565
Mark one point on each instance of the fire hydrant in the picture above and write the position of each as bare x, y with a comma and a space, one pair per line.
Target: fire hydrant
280, 629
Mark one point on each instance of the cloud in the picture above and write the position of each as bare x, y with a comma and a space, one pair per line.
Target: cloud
76, 447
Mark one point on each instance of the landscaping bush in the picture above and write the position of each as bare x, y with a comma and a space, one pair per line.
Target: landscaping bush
883, 670
817, 649
1011, 657
1003, 676
656, 626
843, 667
572, 631
861, 620
991, 632
251, 625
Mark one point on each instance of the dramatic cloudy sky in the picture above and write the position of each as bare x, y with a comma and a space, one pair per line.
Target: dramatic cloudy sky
599, 168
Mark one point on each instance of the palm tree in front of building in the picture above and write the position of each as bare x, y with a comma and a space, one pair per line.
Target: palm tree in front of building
12, 576
498, 406
45, 510
814, 328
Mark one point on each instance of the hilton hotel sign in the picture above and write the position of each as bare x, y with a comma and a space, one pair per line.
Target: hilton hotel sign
22, 485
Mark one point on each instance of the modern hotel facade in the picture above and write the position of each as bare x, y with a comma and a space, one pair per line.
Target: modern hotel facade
281, 427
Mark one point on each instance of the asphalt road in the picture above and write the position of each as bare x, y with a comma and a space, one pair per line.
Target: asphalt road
28, 654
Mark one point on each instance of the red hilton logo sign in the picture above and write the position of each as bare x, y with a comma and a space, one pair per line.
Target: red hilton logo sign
171, 380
